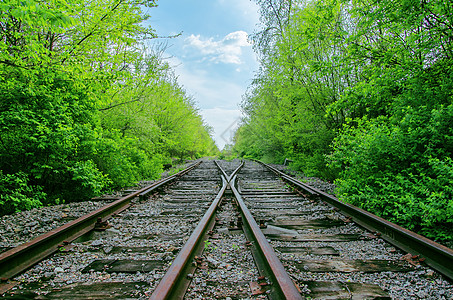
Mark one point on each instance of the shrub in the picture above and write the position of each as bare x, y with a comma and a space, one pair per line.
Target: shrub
16, 193
400, 170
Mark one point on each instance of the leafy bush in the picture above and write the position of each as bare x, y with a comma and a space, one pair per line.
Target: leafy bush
383, 70
17, 194
77, 118
121, 159
400, 170
87, 181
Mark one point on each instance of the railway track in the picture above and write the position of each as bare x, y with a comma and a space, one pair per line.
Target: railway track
233, 230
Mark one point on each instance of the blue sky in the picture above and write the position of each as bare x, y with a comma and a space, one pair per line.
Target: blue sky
212, 58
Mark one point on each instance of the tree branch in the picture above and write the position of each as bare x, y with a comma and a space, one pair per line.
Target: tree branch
119, 104
93, 30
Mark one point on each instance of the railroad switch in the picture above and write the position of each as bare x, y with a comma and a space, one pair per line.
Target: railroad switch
101, 225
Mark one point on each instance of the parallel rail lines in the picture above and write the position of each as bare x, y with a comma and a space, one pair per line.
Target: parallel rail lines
265, 257
20, 258
175, 281
437, 256
288, 224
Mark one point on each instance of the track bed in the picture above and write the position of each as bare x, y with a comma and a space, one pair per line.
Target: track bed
230, 230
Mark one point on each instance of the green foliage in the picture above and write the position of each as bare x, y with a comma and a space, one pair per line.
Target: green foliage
83, 107
16, 193
286, 105
121, 159
401, 171
87, 179
365, 86
43, 119
395, 151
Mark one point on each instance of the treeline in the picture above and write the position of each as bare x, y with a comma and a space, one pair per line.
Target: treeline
85, 105
360, 92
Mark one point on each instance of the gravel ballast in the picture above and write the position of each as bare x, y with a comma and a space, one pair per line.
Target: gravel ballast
156, 229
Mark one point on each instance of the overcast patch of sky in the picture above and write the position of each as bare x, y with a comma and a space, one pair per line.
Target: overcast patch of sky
212, 58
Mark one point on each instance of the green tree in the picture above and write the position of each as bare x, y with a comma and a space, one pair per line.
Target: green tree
287, 103
72, 75
395, 150
372, 79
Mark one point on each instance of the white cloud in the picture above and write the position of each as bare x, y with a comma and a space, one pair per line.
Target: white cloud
216, 98
227, 50
206, 87
224, 122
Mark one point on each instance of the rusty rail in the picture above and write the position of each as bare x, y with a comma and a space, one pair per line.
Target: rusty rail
267, 261
228, 178
175, 281
20, 258
436, 256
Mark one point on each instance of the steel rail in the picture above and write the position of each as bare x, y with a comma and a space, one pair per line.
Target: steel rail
436, 256
267, 261
22, 257
228, 178
145, 191
288, 178
175, 281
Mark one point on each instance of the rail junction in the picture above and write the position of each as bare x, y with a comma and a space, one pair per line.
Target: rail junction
228, 229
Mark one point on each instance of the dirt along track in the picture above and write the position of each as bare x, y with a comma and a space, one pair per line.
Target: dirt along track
324, 254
